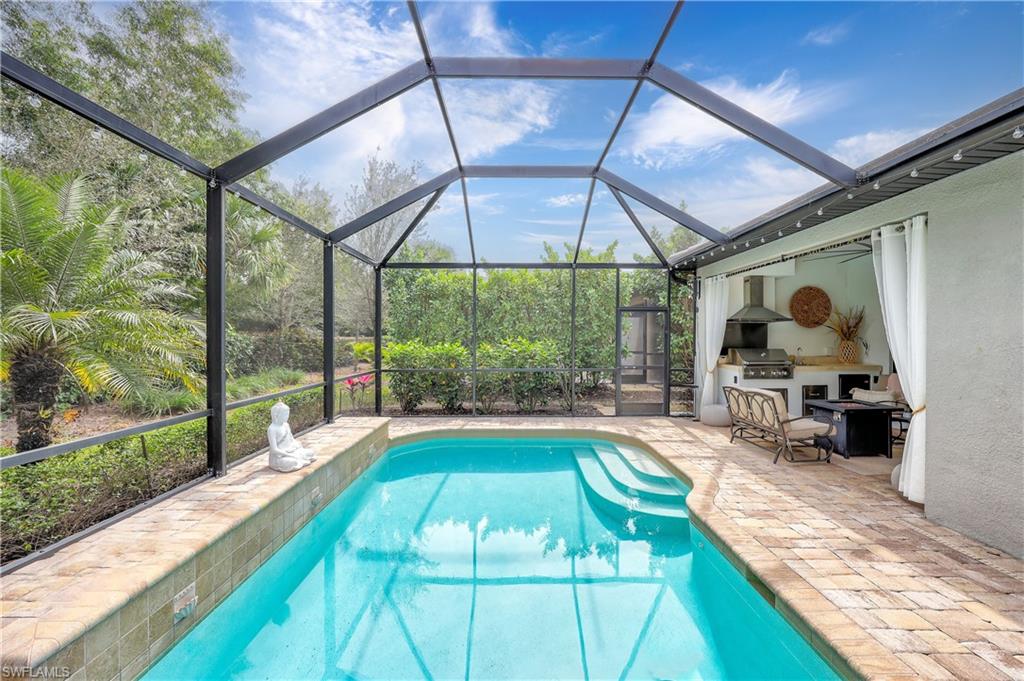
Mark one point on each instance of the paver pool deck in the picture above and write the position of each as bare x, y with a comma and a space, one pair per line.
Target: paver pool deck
876, 586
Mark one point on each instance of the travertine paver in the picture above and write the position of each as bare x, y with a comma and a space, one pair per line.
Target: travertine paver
862, 573
893, 594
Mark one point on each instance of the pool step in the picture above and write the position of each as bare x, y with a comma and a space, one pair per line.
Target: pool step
643, 515
643, 466
627, 480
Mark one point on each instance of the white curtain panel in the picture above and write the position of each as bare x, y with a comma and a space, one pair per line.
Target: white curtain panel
714, 307
898, 252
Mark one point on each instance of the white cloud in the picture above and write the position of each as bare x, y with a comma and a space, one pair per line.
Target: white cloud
490, 115
857, 150
673, 132
566, 200
568, 43
552, 222
826, 35
469, 29
302, 57
739, 194
484, 203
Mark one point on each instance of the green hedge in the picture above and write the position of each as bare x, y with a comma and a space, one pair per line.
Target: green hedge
528, 391
413, 388
41, 503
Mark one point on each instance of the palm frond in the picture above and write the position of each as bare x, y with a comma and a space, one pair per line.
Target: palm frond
72, 197
26, 212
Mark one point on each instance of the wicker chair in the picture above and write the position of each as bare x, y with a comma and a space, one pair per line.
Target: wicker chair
759, 416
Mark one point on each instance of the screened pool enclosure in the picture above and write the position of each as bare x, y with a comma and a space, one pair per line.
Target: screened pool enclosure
433, 286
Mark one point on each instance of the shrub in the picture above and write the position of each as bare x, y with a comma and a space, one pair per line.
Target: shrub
162, 402
490, 385
447, 387
294, 348
409, 388
362, 351
239, 352
531, 390
527, 390
247, 426
264, 382
44, 502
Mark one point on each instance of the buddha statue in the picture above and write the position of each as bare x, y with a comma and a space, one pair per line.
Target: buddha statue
286, 453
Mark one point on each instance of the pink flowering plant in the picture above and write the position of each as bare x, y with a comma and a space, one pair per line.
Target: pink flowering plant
356, 387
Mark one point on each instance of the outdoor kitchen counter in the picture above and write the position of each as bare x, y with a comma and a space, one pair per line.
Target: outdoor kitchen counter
799, 368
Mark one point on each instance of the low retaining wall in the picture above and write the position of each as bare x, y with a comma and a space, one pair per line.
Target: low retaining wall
104, 608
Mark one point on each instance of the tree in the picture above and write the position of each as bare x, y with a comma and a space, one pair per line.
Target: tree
76, 301
382, 180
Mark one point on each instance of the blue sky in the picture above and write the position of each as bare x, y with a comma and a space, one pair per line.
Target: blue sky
854, 79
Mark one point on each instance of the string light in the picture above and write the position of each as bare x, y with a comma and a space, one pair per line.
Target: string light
780, 232
958, 155
821, 212
849, 195
1018, 133
746, 245
96, 133
799, 225
142, 156
914, 173
877, 185
34, 101
762, 239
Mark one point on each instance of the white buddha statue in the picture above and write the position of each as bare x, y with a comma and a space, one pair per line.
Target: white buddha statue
286, 453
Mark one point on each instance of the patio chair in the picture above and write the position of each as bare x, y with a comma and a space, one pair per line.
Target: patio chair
760, 417
891, 396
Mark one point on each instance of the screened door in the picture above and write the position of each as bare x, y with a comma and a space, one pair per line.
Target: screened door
641, 339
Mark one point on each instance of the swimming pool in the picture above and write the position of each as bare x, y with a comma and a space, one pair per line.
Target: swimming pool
497, 559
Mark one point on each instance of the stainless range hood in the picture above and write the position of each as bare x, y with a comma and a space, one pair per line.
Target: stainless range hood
753, 310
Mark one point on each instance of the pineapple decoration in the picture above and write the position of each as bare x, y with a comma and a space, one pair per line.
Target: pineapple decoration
847, 326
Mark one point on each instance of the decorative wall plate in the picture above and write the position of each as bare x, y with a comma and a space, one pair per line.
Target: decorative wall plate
810, 307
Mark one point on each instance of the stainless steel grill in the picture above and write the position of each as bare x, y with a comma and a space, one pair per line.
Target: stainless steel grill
764, 363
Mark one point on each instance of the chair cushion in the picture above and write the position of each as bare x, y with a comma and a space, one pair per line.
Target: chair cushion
780, 406
804, 428
873, 396
893, 385
715, 415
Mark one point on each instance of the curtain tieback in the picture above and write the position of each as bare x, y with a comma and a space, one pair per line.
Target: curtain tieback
712, 370
918, 410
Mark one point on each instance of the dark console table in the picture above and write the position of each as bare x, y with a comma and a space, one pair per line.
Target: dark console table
862, 428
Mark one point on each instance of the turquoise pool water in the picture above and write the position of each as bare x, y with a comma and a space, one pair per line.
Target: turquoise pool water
497, 559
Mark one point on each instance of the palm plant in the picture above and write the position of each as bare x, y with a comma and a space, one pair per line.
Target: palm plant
77, 302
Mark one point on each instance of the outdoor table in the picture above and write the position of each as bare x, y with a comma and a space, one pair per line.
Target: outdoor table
862, 428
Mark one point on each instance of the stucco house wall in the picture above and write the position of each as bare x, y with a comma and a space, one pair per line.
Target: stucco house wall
975, 389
